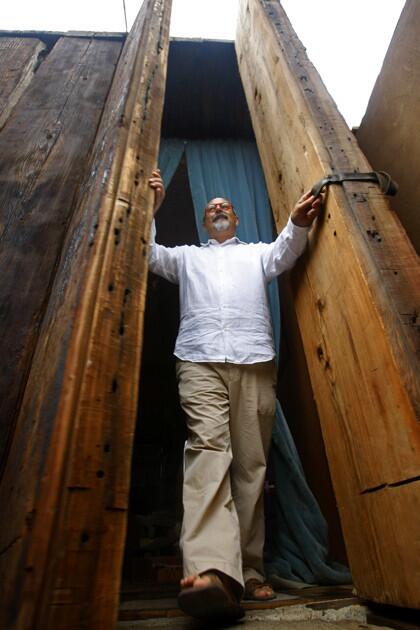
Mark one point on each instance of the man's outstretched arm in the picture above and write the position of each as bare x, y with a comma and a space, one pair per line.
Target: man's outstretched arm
282, 254
162, 260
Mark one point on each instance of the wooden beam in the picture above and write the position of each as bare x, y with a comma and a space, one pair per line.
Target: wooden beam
66, 510
18, 59
357, 303
44, 152
386, 131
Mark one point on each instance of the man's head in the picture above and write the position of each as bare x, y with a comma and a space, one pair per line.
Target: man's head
220, 220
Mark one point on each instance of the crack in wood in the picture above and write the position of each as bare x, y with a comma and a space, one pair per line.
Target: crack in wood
10, 545
78, 488
394, 484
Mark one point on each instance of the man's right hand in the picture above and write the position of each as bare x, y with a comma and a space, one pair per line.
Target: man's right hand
156, 182
306, 209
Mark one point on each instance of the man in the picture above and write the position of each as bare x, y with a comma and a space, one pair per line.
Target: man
227, 384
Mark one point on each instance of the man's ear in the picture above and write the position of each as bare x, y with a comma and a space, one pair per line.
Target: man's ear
236, 216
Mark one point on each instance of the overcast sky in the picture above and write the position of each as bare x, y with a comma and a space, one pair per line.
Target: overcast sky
345, 39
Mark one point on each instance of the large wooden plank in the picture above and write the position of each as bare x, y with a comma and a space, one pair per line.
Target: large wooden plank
18, 60
66, 511
44, 151
387, 133
357, 299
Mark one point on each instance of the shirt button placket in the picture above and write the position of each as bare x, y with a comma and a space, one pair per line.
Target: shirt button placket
221, 267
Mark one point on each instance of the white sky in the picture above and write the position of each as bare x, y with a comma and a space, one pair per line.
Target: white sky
345, 39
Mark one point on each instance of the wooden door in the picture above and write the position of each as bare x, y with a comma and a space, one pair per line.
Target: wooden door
64, 491
357, 294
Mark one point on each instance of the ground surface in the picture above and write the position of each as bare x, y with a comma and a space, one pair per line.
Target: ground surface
297, 617
154, 605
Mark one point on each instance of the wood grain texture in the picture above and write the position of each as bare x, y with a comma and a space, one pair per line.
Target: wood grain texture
44, 151
18, 60
357, 303
66, 512
387, 133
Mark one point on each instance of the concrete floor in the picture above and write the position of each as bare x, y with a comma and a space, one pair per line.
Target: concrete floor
297, 617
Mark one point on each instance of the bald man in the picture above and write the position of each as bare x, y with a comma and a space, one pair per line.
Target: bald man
227, 385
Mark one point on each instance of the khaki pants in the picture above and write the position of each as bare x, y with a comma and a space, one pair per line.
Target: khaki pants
230, 410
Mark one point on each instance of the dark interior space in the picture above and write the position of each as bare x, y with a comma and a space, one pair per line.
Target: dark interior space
156, 482
204, 99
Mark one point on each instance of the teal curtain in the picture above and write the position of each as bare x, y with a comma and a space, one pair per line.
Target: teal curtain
170, 154
299, 544
232, 169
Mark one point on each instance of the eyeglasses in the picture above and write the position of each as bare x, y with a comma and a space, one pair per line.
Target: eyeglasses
224, 205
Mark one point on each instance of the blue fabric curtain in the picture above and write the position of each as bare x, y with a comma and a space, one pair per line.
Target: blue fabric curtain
232, 169
170, 155
299, 544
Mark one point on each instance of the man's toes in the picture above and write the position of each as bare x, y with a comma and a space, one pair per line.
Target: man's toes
202, 581
189, 581
258, 591
266, 592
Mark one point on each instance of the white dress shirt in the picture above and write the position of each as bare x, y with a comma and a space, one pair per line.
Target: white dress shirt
225, 316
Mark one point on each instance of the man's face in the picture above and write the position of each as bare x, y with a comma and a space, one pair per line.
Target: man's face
220, 219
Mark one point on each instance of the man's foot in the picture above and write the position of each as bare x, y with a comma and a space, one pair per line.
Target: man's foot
209, 597
258, 591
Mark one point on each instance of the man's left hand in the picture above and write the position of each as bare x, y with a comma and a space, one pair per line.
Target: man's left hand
306, 210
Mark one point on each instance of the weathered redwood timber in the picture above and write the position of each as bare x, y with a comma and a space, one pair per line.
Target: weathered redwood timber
64, 515
357, 300
44, 150
18, 60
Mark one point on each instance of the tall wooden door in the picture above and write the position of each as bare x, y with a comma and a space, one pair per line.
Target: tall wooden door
357, 294
64, 491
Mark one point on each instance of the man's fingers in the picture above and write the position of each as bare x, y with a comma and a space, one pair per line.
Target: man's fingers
308, 198
312, 202
155, 182
306, 203
315, 210
305, 196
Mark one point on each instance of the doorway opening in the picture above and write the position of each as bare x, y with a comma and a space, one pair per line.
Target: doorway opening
204, 100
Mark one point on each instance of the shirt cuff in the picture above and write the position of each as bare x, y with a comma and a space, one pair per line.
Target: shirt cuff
296, 230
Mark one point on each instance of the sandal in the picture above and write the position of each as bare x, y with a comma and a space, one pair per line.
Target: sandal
214, 601
252, 585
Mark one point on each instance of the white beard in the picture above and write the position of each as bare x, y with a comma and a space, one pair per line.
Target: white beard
221, 224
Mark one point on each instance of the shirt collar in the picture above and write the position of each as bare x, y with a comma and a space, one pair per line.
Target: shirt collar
230, 241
